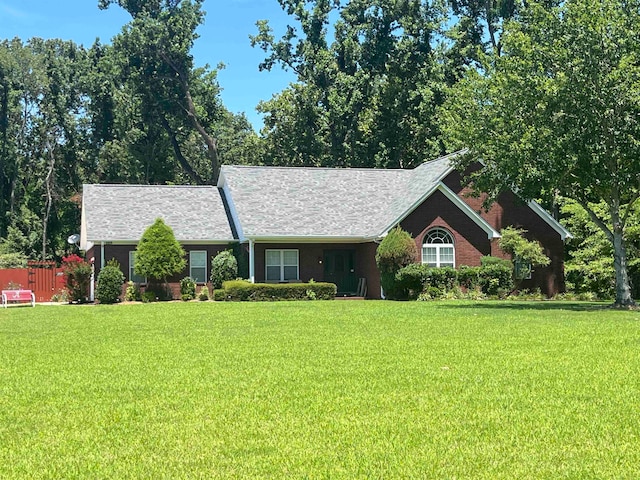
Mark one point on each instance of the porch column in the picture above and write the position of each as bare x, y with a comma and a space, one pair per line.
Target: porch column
101, 255
252, 262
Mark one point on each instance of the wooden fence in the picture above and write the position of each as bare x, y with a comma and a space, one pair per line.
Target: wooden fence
43, 278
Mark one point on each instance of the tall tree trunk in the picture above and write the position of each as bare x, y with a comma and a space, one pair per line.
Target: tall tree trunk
49, 200
616, 236
623, 287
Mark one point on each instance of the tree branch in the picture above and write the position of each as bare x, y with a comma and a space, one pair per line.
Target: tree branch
184, 163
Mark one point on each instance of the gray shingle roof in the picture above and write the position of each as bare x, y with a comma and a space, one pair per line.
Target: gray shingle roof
326, 202
123, 212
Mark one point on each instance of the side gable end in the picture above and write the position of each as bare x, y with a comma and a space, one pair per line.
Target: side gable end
458, 202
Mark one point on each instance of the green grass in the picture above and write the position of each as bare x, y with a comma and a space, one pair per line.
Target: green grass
320, 390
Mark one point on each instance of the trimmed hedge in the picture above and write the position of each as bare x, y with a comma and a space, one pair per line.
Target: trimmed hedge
416, 278
243, 291
493, 278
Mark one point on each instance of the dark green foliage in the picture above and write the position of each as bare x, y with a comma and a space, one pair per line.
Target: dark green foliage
159, 255
410, 280
396, 250
469, 277
187, 288
241, 290
241, 252
224, 266
110, 280
444, 278
496, 276
367, 96
77, 275
219, 295
148, 296
161, 291
416, 278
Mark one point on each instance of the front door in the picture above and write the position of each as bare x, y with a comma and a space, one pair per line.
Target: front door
339, 268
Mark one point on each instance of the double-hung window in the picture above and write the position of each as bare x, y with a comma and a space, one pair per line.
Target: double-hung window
133, 276
198, 265
438, 249
281, 265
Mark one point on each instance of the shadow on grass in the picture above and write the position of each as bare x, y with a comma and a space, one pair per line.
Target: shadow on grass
534, 305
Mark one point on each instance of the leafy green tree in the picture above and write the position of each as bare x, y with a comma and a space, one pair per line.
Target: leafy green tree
155, 53
366, 98
558, 113
158, 254
397, 250
589, 262
525, 254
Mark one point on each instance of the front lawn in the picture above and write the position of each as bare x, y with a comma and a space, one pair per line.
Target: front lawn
320, 390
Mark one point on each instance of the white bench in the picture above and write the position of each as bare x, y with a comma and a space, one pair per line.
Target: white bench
17, 297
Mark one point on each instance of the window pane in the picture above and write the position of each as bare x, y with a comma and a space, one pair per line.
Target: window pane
446, 255
199, 274
198, 258
290, 273
273, 257
273, 273
429, 256
132, 275
291, 257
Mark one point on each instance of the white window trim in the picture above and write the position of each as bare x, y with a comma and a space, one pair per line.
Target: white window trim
205, 264
132, 254
281, 251
438, 247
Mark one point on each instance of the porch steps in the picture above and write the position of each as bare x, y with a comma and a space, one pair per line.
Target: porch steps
349, 298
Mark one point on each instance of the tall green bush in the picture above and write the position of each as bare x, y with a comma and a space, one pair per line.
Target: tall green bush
397, 250
159, 255
110, 281
224, 266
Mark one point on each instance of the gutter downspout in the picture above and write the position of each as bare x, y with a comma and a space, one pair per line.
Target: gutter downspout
252, 262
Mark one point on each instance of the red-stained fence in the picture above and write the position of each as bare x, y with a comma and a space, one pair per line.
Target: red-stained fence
43, 278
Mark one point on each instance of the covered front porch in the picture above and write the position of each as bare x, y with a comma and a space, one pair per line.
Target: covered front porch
350, 266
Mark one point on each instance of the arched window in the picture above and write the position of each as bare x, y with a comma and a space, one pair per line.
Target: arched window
438, 249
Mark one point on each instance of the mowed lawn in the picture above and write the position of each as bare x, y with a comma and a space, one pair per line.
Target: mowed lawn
320, 390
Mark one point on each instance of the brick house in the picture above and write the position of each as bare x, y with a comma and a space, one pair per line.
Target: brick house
302, 223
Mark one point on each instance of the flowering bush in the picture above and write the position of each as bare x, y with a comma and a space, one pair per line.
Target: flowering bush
77, 275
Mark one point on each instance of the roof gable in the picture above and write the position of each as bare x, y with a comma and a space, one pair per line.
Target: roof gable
121, 213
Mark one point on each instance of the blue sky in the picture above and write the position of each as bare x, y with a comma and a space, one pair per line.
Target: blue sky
224, 37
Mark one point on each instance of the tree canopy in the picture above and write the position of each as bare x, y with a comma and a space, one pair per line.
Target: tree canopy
559, 112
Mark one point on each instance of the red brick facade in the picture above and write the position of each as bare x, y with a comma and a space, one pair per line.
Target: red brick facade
121, 254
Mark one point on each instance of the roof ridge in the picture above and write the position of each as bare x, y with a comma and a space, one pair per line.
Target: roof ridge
333, 169
138, 185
